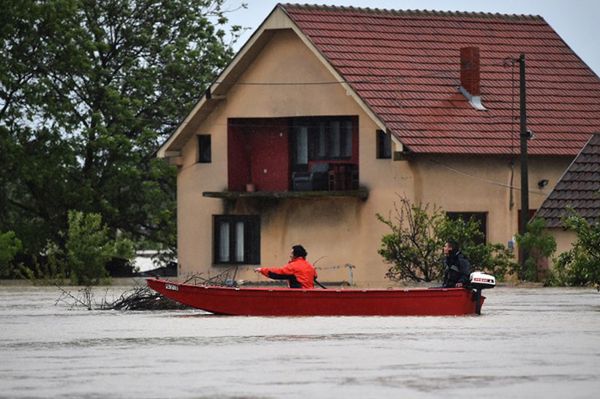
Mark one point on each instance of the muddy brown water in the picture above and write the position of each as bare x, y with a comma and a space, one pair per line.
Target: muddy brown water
534, 342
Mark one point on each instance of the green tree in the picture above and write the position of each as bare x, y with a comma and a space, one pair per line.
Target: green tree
88, 91
538, 244
10, 245
89, 248
493, 258
580, 266
414, 246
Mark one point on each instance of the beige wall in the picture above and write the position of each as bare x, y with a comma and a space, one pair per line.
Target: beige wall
564, 240
335, 231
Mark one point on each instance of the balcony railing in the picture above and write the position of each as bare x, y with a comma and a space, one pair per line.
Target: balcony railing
326, 177
360, 193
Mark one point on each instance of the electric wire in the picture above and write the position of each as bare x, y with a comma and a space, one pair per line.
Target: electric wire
396, 78
489, 181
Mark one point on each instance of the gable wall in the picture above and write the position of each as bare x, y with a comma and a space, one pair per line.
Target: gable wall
335, 231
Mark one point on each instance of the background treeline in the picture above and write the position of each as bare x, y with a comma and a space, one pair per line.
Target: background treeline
89, 89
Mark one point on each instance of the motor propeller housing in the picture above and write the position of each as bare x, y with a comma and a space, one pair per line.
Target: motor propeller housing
480, 280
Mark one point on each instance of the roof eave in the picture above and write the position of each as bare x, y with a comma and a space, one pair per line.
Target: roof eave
277, 19
217, 90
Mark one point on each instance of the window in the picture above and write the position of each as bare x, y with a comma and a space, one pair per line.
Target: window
480, 217
384, 145
322, 138
236, 239
204, 150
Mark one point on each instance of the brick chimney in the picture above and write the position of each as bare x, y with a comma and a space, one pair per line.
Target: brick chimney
469, 76
469, 70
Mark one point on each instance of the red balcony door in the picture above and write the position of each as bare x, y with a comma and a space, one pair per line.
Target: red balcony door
269, 158
258, 153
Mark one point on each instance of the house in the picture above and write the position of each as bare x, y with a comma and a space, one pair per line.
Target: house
577, 190
328, 114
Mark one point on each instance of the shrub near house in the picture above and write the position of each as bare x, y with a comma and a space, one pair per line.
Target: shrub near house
580, 265
414, 248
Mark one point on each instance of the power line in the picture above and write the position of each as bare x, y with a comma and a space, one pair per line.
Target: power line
382, 79
489, 181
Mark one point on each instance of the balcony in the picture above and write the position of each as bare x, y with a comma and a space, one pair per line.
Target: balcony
360, 193
308, 157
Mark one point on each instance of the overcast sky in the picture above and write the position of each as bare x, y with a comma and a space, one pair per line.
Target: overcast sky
576, 21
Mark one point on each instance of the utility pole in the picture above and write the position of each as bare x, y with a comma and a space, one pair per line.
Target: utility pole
524, 136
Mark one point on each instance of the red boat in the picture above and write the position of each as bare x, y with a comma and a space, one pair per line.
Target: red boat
323, 302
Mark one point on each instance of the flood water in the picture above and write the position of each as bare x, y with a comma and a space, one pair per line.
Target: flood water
541, 342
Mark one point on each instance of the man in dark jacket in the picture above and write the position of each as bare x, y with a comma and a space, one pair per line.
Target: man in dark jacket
298, 272
456, 267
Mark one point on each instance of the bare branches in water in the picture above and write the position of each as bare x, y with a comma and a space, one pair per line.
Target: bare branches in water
137, 298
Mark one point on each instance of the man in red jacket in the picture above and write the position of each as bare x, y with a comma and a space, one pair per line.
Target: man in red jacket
298, 272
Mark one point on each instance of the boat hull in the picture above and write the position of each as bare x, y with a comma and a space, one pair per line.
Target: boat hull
319, 302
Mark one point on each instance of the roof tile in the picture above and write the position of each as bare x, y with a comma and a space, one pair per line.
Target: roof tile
578, 188
405, 66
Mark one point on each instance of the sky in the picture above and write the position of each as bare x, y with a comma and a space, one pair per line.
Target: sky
576, 21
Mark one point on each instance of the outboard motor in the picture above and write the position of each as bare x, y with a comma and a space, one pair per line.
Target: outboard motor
480, 281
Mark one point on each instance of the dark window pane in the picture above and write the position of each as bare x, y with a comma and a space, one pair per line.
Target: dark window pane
204, 149
384, 145
347, 139
335, 134
321, 142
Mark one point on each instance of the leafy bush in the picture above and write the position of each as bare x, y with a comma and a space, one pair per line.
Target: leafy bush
538, 244
47, 268
580, 266
89, 248
414, 247
10, 245
495, 259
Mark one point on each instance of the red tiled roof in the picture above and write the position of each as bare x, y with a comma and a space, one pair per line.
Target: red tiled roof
405, 65
578, 188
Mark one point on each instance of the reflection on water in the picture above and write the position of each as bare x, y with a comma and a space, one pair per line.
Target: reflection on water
528, 343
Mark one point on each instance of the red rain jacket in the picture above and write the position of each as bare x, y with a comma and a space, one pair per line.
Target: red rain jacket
299, 268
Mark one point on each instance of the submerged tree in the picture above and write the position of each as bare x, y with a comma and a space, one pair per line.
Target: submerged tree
580, 265
89, 246
418, 233
88, 91
413, 248
539, 244
10, 245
